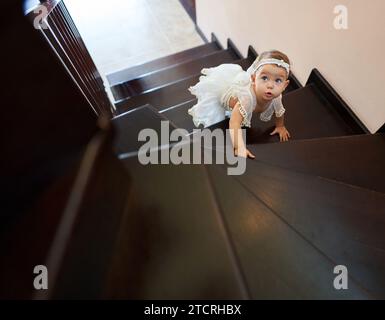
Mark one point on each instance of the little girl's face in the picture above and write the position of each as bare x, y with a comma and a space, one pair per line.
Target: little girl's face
270, 81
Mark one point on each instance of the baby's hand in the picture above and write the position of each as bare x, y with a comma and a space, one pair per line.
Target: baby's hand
284, 135
248, 154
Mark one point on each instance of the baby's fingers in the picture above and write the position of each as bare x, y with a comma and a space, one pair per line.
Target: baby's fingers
250, 154
283, 137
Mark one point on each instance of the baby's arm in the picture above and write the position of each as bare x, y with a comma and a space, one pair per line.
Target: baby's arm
279, 121
280, 128
235, 131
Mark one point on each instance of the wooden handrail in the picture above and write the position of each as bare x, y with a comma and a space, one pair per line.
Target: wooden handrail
64, 38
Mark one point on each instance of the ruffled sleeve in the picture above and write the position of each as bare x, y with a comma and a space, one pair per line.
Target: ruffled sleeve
278, 107
246, 109
240, 89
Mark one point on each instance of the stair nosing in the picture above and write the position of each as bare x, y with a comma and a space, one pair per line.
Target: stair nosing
210, 44
120, 101
165, 68
177, 105
219, 52
162, 86
306, 174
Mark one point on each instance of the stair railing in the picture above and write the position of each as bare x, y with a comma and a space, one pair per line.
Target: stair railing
54, 21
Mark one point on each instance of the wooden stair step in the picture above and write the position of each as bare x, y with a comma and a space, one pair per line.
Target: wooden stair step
179, 116
129, 124
357, 160
308, 116
172, 246
171, 75
278, 262
169, 95
343, 222
161, 63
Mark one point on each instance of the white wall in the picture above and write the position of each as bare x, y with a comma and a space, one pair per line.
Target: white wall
352, 60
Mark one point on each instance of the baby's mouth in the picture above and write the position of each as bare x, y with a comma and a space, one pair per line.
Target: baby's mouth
268, 94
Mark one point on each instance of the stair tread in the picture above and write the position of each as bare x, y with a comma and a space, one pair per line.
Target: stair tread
171, 75
278, 262
138, 70
356, 160
170, 95
179, 116
176, 229
128, 126
344, 222
307, 116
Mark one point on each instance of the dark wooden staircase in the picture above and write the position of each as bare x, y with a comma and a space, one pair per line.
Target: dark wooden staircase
277, 231
124, 230
300, 209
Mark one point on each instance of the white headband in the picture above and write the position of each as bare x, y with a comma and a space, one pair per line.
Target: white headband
255, 66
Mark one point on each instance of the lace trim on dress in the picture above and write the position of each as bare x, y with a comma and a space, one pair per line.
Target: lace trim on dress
268, 113
245, 121
226, 100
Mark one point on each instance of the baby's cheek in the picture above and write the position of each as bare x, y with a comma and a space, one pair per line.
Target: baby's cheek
258, 84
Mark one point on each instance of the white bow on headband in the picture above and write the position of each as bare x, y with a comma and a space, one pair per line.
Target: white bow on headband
257, 64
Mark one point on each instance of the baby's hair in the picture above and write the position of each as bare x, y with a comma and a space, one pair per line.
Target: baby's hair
274, 54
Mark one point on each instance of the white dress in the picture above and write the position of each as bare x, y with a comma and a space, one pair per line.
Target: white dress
215, 88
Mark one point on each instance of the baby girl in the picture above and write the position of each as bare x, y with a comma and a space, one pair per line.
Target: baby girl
228, 91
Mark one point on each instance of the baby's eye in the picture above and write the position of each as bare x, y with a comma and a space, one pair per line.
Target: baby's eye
278, 80
264, 78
